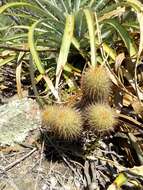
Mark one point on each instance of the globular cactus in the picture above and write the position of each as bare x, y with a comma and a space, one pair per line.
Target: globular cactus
100, 117
65, 122
95, 85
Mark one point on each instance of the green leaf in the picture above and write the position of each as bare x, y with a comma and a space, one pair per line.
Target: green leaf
37, 60
14, 37
120, 180
110, 52
7, 60
16, 4
21, 16
91, 29
100, 4
9, 5
137, 5
124, 36
32, 47
65, 46
20, 4
76, 5
76, 43
140, 20
55, 12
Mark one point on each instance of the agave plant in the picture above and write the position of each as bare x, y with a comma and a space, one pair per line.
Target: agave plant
53, 31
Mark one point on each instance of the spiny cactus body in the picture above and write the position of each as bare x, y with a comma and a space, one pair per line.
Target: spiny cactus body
64, 121
95, 85
100, 117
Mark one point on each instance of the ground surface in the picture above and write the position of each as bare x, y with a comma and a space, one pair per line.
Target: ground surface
29, 168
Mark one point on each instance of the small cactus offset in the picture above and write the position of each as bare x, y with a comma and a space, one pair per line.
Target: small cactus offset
95, 85
65, 122
100, 117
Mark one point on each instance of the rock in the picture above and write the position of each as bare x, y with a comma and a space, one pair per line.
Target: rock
17, 118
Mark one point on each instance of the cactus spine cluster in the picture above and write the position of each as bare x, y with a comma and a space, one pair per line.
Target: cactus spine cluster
100, 117
65, 122
95, 85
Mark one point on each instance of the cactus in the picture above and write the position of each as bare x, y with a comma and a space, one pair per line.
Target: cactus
65, 122
95, 85
100, 117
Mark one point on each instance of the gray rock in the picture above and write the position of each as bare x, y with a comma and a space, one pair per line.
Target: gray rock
17, 118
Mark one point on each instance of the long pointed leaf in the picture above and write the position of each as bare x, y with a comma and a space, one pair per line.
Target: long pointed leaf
137, 5
37, 60
9, 5
54, 11
18, 4
140, 19
66, 42
7, 60
124, 35
32, 47
91, 29
110, 51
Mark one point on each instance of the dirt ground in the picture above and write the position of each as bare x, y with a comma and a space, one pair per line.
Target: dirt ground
27, 167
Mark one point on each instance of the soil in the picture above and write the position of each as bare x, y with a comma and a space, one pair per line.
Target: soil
39, 170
